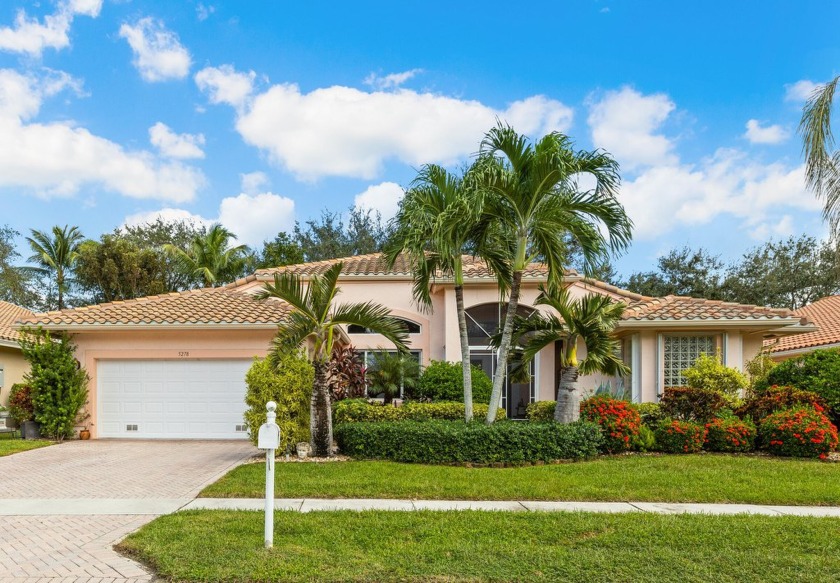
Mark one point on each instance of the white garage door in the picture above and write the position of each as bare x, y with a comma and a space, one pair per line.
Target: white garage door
174, 399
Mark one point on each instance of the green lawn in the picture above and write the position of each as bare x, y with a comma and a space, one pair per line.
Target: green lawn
10, 445
488, 546
690, 478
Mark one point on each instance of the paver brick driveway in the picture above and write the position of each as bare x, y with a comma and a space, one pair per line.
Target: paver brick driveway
61, 547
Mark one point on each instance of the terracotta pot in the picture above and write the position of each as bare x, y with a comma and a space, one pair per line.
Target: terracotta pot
84, 434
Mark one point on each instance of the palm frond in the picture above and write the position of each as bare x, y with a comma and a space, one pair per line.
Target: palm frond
374, 317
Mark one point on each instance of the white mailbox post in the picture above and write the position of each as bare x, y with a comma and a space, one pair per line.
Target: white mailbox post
269, 440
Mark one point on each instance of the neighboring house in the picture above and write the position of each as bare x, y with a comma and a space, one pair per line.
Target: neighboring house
825, 314
12, 364
173, 365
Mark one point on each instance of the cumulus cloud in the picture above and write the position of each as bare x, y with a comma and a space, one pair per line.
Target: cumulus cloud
625, 123
226, 85
383, 198
758, 134
253, 219
30, 36
784, 227
57, 159
800, 91
252, 182
203, 11
172, 145
391, 80
343, 131
158, 54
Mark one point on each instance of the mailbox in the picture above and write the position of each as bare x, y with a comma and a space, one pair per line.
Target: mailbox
269, 436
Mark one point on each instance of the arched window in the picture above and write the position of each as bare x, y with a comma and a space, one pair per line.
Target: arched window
411, 327
485, 320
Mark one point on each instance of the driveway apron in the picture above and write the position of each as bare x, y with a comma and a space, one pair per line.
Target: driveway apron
63, 507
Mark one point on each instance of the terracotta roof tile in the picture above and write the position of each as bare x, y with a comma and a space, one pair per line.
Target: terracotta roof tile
9, 314
688, 309
825, 313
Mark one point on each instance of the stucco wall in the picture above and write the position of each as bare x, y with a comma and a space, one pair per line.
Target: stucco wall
14, 367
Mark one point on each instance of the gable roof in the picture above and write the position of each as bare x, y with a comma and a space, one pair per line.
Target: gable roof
9, 314
825, 313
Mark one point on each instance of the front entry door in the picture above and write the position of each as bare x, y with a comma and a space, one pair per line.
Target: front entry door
515, 396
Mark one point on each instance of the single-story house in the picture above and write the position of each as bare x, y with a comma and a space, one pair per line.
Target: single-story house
173, 365
825, 315
12, 364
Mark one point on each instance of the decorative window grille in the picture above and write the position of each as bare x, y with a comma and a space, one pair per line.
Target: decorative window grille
680, 354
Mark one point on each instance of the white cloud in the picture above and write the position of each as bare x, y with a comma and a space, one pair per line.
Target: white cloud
167, 215
30, 36
392, 80
758, 134
383, 198
172, 145
779, 230
342, 131
800, 91
203, 11
158, 54
226, 85
625, 123
57, 159
252, 182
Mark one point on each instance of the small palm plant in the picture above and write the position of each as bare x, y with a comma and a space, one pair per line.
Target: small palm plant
392, 373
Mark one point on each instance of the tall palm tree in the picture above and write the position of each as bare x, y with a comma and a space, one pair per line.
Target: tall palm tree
209, 256
822, 160
314, 320
590, 320
56, 254
532, 193
440, 220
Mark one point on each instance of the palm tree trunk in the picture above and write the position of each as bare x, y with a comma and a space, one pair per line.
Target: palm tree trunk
59, 279
320, 413
567, 409
465, 352
504, 348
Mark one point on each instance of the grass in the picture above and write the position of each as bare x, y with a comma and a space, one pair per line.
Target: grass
10, 445
488, 546
689, 478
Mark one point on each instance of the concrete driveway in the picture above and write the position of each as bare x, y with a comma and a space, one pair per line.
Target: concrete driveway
64, 506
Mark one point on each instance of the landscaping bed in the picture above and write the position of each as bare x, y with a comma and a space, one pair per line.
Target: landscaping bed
484, 546
10, 444
713, 478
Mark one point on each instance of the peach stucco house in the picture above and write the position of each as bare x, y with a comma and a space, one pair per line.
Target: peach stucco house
12, 364
172, 366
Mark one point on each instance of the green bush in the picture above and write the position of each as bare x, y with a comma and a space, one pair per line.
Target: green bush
762, 404
817, 371
21, 407
676, 436
650, 414
645, 440
692, 404
801, 432
441, 442
58, 382
709, 372
444, 381
390, 373
730, 435
290, 386
540, 411
360, 410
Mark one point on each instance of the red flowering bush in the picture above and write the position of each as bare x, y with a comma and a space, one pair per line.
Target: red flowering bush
619, 421
801, 432
777, 398
730, 435
674, 436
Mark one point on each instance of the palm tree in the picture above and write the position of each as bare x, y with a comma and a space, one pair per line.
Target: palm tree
209, 257
533, 194
315, 320
822, 161
589, 319
438, 222
391, 374
56, 255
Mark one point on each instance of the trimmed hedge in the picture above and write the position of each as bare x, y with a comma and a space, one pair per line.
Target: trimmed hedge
680, 436
360, 410
444, 381
441, 442
817, 371
540, 411
730, 435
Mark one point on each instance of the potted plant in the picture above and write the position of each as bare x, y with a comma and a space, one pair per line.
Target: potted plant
22, 410
84, 432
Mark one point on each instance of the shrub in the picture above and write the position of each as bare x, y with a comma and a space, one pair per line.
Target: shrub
21, 407
645, 440
455, 441
817, 371
757, 370
760, 405
619, 421
290, 386
346, 374
444, 381
58, 382
360, 410
800, 432
709, 372
650, 414
692, 404
676, 436
391, 373
730, 435
540, 411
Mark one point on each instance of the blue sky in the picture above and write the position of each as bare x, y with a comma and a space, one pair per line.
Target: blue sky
262, 112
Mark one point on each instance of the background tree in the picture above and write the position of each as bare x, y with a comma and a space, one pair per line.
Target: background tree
282, 250
16, 285
533, 195
114, 268
211, 257
314, 322
329, 237
681, 272
55, 253
155, 236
